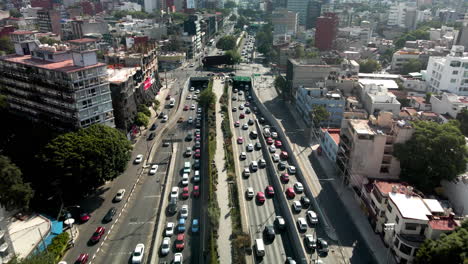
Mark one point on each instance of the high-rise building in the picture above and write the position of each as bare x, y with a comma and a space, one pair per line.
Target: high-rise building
48, 20
299, 7
313, 12
65, 87
450, 73
325, 35
151, 5
284, 22
463, 36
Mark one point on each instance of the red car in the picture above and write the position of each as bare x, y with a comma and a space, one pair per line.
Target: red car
241, 116
290, 192
186, 107
168, 97
197, 153
197, 137
180, 242
284, 155
98, 234
240, 140
269, 190
196, 191
269, 141
284, 178
84, 217
82, 258
260, 197
278, 144
185, 193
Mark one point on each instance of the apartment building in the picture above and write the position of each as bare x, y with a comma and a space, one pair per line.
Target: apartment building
329, 141
326, 31
284, 22
309, 98
64, 86
404, 218
400, 57
449, 104
366, 148
450, 73
48, 20
376, 98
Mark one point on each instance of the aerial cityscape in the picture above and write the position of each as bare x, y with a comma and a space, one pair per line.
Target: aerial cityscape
234, 131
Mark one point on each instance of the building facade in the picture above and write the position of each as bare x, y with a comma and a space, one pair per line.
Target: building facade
314, 9
64, 87
284, 22
450, 73
326, 30
299, 7
48, 20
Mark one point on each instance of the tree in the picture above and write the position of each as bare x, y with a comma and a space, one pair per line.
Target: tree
178, 16
282, 85
77, 163
6, 46
310, 42
241, 22
318, 115
462, 117
141, 108
448, 248
230, 4
141, 119
369, 66
299, 52
226, 43
47, 40
434, 152
412, 65
156, 105
234, 55
14, 193
207, 98
15, 13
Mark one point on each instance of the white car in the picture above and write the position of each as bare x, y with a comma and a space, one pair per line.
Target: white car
312, 217
185, 179
272, 149
241, 107
297, 206
175, 192
165, 118
275, 157
189, 97
274, 134
246, 172
190, 120
184, 211
243, 155
250, 193
310, 241
298, 187
250, 147
301, 224
153, 169
245, 127
165, 246
196, 177
169, 229
178, 258
192, 107
292, 170
197, 91
137, 256
192, 89
138, 159
119, 196
194, 97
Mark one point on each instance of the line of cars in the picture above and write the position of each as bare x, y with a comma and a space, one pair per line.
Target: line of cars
178, 228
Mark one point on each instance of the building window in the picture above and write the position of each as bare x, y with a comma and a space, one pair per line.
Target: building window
389, 208
411, 226
455, 72
405, 249
377, 195
397, 219
455, 64
453, 80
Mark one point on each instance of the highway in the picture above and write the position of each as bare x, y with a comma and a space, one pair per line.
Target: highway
259, 215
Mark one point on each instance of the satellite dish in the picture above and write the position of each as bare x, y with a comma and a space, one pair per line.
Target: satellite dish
69, 221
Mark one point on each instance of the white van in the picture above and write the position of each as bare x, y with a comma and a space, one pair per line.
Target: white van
259, 247
254, 165
172, 102
266, 132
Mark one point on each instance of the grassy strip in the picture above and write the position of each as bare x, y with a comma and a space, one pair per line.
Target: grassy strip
213, 207
240, 239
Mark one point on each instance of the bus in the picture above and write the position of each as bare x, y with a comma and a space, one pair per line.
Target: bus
211, 42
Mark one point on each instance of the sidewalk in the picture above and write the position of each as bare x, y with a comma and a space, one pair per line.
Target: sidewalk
225, 228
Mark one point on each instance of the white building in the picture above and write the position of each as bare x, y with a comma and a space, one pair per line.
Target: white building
403, 15
450, 73
449, 103
129, 6
151, 5
376, 98
400, 57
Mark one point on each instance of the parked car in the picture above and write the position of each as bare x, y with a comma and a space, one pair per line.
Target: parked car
181, 225
165, 246
185, 192
180, 242
178, 258
290, 193
284, 155
184, 211
138, 252
110, 214
280, 222
298, 187
175, 192
138, 159
297, 206
154, 169
310, 242
151, 136
169, 229
301, 224
243, 156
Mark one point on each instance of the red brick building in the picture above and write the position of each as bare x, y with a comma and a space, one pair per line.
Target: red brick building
326, 29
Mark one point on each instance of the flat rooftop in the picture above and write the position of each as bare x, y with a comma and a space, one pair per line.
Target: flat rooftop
409, 206
26, 235
120, 75
389, 84
62, 66
361, 126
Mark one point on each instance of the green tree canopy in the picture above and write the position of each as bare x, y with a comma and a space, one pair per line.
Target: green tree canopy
412, 65
241, 22
369, 66
144, 109
40, 258
14, 193
15, 13
319, 114
226, 43
207, 98
434, 152
449, 248
462, 117
79, 162
420, 33
233, 17
178, 16
235, 56
141, 119
299, 51
6, 46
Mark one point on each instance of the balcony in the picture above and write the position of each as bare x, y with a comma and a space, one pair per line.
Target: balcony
388, 150
389, 141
